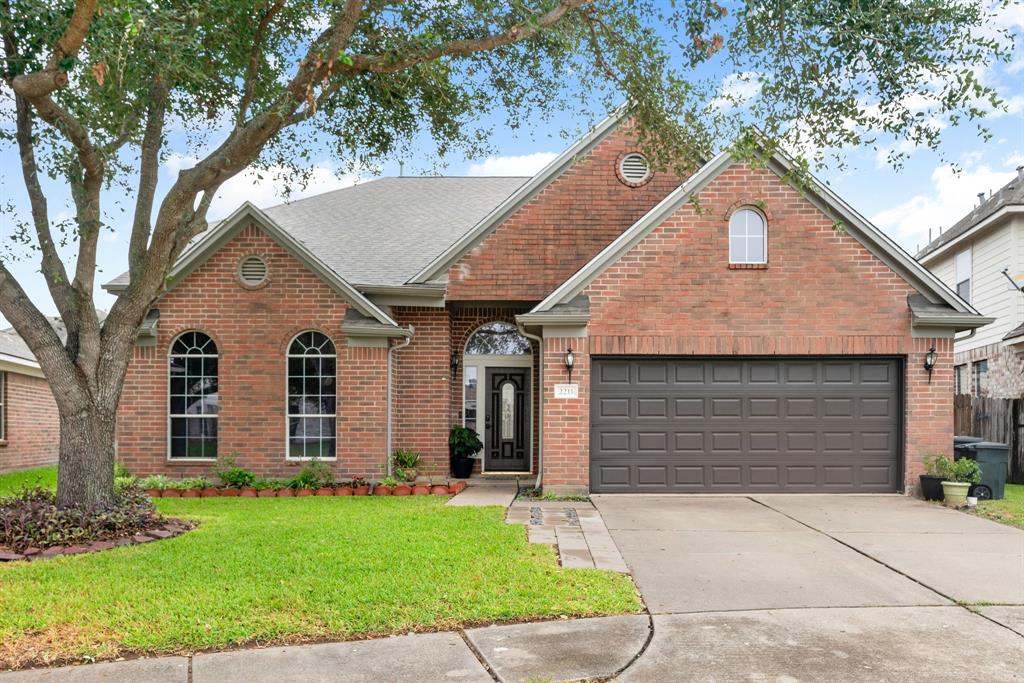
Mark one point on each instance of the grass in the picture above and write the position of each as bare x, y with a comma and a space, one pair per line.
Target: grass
1009, 510
292, 570
40, 476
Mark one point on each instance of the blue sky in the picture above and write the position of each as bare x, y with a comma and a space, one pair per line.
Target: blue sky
925, 194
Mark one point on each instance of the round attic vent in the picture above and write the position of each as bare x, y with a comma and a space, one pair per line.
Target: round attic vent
634, 169
252, 271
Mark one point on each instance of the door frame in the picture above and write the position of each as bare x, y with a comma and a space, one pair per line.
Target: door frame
481, 363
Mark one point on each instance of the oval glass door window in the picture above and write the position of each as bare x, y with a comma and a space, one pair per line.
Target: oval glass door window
508, 411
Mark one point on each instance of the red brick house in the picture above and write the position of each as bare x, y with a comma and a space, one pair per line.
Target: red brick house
29, 424
769, 340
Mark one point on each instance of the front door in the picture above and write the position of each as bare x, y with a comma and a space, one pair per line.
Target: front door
507, 420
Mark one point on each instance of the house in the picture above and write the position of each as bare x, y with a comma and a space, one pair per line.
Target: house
601, 330
29, 424
982, 257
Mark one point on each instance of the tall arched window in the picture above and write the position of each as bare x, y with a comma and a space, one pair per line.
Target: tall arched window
194, 399
748, 237
312, 397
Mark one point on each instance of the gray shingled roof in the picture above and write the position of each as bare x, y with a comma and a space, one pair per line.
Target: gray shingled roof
13, 345
1009, 194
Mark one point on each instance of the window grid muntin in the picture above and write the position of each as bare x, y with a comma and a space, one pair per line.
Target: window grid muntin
312, 383
193, 397
748, 232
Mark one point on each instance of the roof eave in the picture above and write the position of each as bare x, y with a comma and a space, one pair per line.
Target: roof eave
971, 233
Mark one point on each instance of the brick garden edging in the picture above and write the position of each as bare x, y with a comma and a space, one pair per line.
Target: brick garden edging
172, 528
413, 490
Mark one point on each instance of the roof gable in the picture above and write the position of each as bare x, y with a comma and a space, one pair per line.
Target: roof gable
873, 239
440, 265
219, 235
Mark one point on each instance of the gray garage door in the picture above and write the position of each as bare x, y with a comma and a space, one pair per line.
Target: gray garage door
738, 425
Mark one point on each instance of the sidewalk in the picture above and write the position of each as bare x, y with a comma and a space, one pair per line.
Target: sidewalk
564, 650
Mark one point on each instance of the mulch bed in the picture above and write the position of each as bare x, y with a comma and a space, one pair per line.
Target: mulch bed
170, 529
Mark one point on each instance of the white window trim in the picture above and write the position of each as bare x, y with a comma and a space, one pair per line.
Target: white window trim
167, 369
287, 410
957, 279
764, 237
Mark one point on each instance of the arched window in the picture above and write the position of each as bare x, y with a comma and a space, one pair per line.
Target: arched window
497, 339
194, 399
748, 237
312, 397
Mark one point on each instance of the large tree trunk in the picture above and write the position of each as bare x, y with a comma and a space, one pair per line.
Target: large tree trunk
86, 462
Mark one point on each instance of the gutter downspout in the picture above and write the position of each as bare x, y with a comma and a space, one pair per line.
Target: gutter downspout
401, 345
540, 412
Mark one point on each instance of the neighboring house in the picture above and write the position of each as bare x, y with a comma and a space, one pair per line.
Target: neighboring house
29, 425
745, 344
977, 257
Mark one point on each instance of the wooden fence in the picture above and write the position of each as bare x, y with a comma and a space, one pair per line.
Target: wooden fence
993, 419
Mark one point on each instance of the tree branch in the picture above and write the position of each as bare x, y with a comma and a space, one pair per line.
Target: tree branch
149, 169
41, 83
255, 54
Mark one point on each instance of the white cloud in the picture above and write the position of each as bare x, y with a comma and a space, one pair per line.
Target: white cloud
951, 197
523, 165
267, 188
737, 89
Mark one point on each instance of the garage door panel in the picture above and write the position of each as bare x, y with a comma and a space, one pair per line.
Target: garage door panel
736, 425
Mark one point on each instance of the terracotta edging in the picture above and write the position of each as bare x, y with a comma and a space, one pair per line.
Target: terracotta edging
172, 528
451, 489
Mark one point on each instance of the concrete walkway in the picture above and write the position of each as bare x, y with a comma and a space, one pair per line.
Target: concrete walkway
482, 492
575, 529
807, 588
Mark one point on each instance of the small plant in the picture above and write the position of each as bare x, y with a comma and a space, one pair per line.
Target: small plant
937, 465
965, 471
261, 484
191, 483
406, 464
312, 476
155, 481
356, 483
464, 442
278, 484
390, 482
233, 476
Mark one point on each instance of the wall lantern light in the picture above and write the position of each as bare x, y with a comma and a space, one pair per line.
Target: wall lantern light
929, 362
570, 361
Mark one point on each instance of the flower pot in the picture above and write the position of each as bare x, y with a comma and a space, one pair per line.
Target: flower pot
462, 467
266, 493
402, 490
194, 493
285, 493
302, 493
209, 492
380, 490
410, 474
955, 493
325, 491
154, 493
171, 493
931, 487
361, 491
421, 490
247, 492
343, 491
235, 493
439, 490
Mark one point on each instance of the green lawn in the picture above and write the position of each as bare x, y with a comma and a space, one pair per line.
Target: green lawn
289, 570
41, 476
1009, 510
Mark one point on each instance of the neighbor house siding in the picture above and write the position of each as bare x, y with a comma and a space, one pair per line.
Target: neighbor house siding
252, 329
822, 293
31, 425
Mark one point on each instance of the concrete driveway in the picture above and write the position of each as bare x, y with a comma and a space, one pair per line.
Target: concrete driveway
811, 587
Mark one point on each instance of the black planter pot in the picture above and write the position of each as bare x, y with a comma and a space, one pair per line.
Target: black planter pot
931, 487
461, 467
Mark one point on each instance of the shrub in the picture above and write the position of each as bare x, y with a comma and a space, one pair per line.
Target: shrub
312, 476
31, 519
154, 481
191, 483
964, 471
231, 475
464, 442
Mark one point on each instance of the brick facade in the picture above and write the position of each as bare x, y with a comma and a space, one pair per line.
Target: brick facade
1005, 376
675, 294
560, 229
252, 329
31, 424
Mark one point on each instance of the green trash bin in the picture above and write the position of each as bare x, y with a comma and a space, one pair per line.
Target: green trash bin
992, 459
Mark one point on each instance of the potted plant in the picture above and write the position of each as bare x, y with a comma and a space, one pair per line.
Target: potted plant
935, 467
962, 473
360, 487
406, 464
343, 489
385, 486
463, 444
